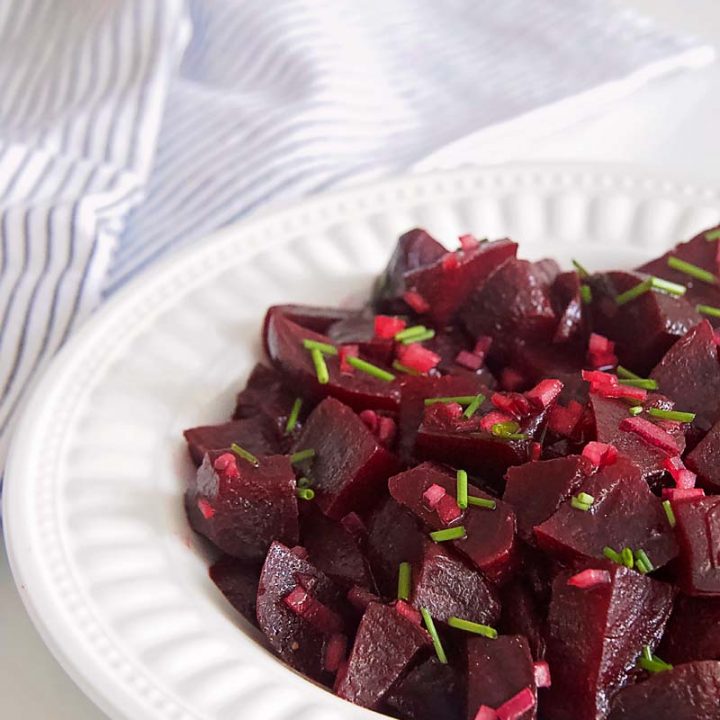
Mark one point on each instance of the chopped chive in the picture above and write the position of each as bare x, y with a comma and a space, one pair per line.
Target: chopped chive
293, 417
635, 410
244, 454
508, 431
370, 369
667, 507
459, 399
453, 533
585, 294
634, 292
325, 348
304, 482
404, 368
667, 287
641, 556
641, 567
610, 554
305, 493
582, 272
321, 369
482, 502
692, 270
708, 310
628, 559
677, 415
301, 455
422, 337
462, 489
645, 383
404, 580
579, 504
473, 627
430, 625
585, 498
712, 234
625, 374
410, 332
651, 662
472, 408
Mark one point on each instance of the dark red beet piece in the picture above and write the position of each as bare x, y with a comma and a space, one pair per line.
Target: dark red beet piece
625, 514
698, 533
566, 300
238, 582
447, 587
687, 692
310, 317
430, 691
498, 670
704, 459
689, 374
242, 508
595, 637
294, 639
446, 286
693, 631
415, 249
394, 536
385, 645
256, 435
521, 615
350, 466
490, 541
536, 490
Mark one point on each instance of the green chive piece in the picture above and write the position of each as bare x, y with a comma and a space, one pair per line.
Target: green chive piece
507, 431
692, 270
677, 415
668, 287
325, 348
713, 234
244, 454
473, 627
628, 559
651, 662
459, 399
579, 505
641, 567
304, 482
370, 369
404, 580
625, 374
585, 294
294, 415
610, 554
301, 455
667, 507
585, 498
453, 533
641, 556
647, 652
634, 292
472, 408
635, 410
321, 369
582, 272
462, 489
422, 337
646, 383
482, 502
430, 625
708, 310
305, 493
410, 332
404, 368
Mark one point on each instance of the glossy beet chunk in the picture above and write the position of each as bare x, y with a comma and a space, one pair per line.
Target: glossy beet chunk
624, 514
595, 636
704, 459
568, 306
385, 646
350, 466
536, 490
447, 284
490, 534
447, 587
497, 671
689, 374
693, 631
522, 614
242, 508
238, 582
298, 642
687, 692
698, 532
310, 317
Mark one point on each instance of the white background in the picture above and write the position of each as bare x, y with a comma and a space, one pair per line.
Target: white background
673, 125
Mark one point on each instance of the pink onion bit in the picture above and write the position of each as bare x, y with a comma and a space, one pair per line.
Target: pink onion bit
470, 361
590, 578
492, 418
542, 674
651, 434
207, 510
320, 616
417, 357
416, 301
447, 509
226, 466
408, 612
514, 404
468, 243
544, 393
335, 650
433, 495
675, 494
684, 479
601, 352
344, 353
388, 326
485, 713
600, 454
518, 704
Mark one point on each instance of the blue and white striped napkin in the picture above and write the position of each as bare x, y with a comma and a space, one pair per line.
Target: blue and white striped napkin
131, 127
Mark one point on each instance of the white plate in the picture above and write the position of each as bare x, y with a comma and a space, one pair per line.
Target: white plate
107, 567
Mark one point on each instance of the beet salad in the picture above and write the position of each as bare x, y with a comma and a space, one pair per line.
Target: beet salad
492, 493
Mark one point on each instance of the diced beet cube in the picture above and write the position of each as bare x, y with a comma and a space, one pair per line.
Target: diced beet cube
704, 459
698, 533
693, 631
687, 692
238, 582
595, 637
624, 514
430, 691
394, 536
497, 671
522, 615
244, 507
447, 587
567, 302
385, 645
446, 287
350, 466
490, 534
689, 374
643, 329
294, 639
536, 490
256, 435
415, 249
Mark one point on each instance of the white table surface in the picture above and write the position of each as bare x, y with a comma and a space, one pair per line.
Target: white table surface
671, 125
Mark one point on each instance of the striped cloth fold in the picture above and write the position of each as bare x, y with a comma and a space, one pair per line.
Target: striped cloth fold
131, 127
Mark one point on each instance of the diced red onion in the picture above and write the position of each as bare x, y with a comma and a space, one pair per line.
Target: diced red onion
320, 616
600, 454
599, 378
651, 434
408, 611
482, 345
447, 509
589, 579
542, 674
492, 418
344, 353
226, 465
386, 430
334, 652
416, 301
620, 391
600, 344
417, 357
469, 360
682, 494
535, 451
544, 393
450, 261
207, 510
468, 243
684, 479
518, 704
387, 326
514, 404
433, 495
485, 713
